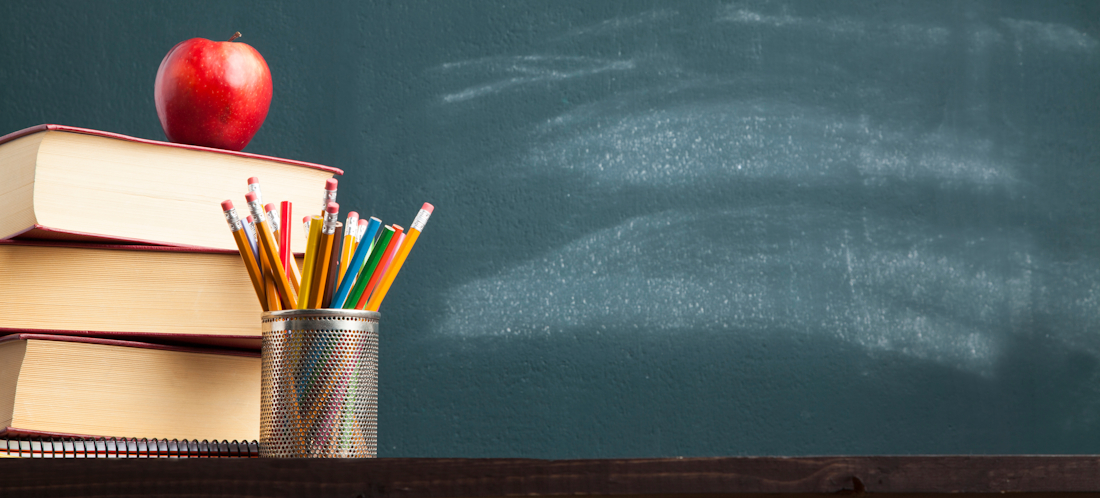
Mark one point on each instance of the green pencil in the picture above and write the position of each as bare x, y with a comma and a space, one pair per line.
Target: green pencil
368, 269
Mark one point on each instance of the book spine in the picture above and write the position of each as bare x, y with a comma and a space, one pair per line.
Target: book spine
125, 448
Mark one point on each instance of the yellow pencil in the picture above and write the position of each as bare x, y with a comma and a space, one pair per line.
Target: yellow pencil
398, 260
245, 249
311, 259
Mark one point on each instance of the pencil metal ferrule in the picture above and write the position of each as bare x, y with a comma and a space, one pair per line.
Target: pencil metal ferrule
329, 226
233, 220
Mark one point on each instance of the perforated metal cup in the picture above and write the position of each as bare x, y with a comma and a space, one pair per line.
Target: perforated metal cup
319, 391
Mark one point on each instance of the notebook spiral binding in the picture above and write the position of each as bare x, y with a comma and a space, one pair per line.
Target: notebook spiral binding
126, 448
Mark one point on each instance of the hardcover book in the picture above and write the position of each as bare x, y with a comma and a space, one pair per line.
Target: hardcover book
79, 387
76, 184
147, 293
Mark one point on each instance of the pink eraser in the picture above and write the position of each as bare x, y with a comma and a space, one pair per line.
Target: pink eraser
332, 207
353, 214
253, 180
330, 184
227, 205
250, 197
428, 207
270, 206
249, 219
305, 219
364, 222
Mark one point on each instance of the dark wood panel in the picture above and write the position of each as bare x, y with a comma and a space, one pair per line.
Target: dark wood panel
902, 476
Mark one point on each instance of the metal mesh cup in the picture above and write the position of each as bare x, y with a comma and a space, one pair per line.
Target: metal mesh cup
319, 390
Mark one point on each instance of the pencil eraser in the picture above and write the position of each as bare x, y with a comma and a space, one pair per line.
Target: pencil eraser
250, 197
330, 184
270, 206
249, 219
305, 219
253, 180
427, 207
353, 214
332, 207
364, 222
227, 205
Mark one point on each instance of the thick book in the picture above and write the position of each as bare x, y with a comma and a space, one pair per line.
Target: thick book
80, 447
76, 184
147, 293
83, 387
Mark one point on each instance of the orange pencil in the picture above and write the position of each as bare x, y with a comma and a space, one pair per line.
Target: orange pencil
245, 249
334, 265
271, 252
324, 256
351, 228
380, 270
270, 293
398, 260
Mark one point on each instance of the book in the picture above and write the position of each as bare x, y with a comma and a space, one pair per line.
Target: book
55, 447
155, 294
76, 184
84, 387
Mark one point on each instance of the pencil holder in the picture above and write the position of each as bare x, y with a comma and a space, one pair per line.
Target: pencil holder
319, 390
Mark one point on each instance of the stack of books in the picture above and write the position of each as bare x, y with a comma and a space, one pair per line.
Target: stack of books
125, 309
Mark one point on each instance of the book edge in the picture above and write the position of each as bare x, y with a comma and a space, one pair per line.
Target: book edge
106, 134
23, 336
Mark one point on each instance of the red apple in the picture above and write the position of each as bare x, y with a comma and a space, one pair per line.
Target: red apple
214, 94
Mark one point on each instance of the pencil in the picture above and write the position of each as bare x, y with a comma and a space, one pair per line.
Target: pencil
334, 265
271, 294
324, 256
250, 234
361, 253
311, 258
380, 269
269, 278
245, 249
359, 234
398, 260
351, 230
330, 195
271, 252
285, 253
254, 186
368, 269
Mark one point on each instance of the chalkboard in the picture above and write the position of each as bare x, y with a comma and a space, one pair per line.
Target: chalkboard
678, 228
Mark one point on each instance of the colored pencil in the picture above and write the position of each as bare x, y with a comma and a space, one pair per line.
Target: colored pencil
271, 252
311, 259
356, 264
380, 269
324, 256
368, 269
399, 260
245, 249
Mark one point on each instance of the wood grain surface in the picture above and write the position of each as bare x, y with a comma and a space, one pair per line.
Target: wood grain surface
744, 476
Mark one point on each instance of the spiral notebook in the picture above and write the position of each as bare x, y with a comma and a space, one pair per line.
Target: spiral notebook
125, 448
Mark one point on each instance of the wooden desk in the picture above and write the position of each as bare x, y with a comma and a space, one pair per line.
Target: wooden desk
809, 476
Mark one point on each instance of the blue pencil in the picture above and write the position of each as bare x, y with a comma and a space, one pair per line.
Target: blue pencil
357, 260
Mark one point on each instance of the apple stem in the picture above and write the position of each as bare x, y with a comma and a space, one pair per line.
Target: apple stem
235, 36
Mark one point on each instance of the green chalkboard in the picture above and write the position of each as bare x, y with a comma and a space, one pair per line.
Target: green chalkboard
677, 228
